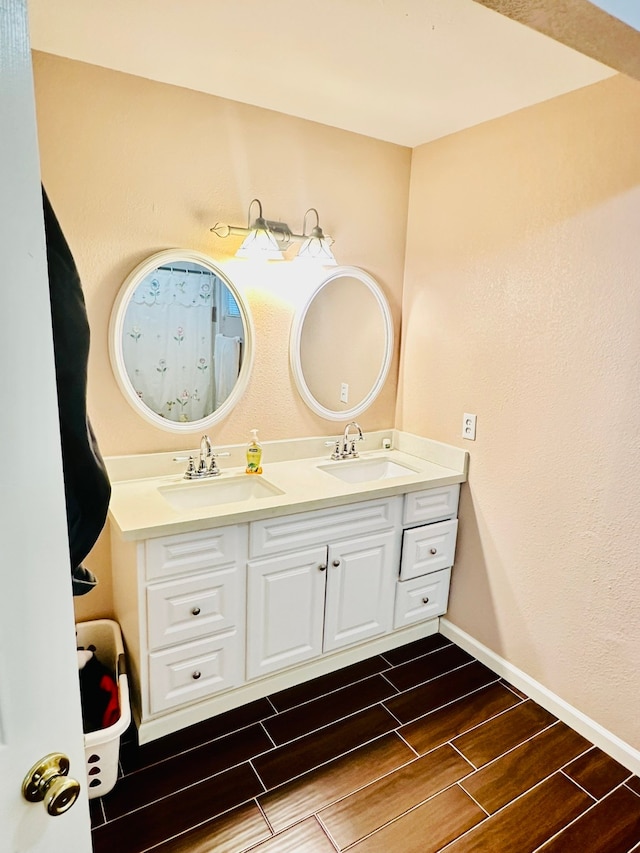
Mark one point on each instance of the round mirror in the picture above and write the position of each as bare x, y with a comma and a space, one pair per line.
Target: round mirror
342, 344
181, 341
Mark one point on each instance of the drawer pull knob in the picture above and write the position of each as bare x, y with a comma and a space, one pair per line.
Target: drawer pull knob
195, 611
323, 567
425, 600
336, 563
196, 675
433, 550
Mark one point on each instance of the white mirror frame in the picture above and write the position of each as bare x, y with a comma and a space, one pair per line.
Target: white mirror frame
296, 338
116, 327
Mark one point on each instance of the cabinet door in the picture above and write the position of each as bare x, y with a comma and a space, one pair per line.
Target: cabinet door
285, 605
360, 589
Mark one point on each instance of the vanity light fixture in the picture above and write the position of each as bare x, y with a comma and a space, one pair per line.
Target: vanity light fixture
259, 242
267, 239
316, 246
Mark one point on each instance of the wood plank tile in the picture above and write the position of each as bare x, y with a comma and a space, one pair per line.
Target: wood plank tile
611, 826
305, 837
597, 772
370, 808
513, 689
134, 757
286, 762
634, 784
323, 684
427, 667
458, 717
159, 821
529, 821
495, 737
95, 812
414, 650
327, 709
308, 794
186, 768
420, 700
427, 828
511, 775
233, 832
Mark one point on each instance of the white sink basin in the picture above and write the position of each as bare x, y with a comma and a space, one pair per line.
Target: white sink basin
366, 470
200, 493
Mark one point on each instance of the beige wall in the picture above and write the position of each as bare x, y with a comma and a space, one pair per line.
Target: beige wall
522, 304
133, 167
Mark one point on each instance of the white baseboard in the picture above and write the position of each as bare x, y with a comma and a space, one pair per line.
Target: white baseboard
588, 728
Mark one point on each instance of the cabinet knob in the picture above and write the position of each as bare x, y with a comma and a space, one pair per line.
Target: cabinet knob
195, 611
323, 568
196, 675
433, 550
425, 600
336, 563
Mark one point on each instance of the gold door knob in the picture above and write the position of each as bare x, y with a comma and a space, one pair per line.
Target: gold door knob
47, 782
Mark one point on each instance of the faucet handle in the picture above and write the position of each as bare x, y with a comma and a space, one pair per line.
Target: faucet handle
190, 473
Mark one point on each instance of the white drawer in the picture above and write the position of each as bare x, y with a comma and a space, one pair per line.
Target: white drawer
190, 672
428, 548
421, 598
191, 552
276, 535
431, 505
187, 608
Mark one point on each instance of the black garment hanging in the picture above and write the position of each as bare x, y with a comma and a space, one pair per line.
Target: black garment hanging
86, 484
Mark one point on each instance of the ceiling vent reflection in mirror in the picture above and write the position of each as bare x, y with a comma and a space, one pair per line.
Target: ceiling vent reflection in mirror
267, 239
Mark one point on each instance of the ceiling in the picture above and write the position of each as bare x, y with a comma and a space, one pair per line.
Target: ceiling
404, 71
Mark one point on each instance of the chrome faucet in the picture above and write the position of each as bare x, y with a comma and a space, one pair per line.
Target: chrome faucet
207, 465
346, 449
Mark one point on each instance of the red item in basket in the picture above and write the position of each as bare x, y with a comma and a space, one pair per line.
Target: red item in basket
112, 711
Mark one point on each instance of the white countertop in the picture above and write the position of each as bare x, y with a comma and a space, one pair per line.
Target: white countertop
139, 511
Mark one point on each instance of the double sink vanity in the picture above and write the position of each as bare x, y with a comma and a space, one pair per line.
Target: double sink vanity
231, 588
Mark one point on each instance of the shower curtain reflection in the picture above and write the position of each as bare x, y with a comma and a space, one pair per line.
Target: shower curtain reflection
169, 329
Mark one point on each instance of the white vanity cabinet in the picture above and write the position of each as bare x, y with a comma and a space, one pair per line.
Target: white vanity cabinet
217, 617
303, 602
181, 603
428, 549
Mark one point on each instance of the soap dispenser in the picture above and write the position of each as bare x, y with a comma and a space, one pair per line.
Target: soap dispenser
254, 455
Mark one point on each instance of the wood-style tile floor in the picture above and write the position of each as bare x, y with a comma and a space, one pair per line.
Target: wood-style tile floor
417, 750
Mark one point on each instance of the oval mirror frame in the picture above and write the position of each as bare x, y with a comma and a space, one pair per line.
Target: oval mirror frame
295, 346
116, 329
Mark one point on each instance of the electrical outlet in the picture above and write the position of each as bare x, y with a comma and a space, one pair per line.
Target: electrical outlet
469, 426
344, 392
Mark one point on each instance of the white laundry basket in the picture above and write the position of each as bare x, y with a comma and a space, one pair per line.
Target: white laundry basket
102, 747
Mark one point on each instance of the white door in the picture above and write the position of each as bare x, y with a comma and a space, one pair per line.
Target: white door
39, 692
285, 606
360, 589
